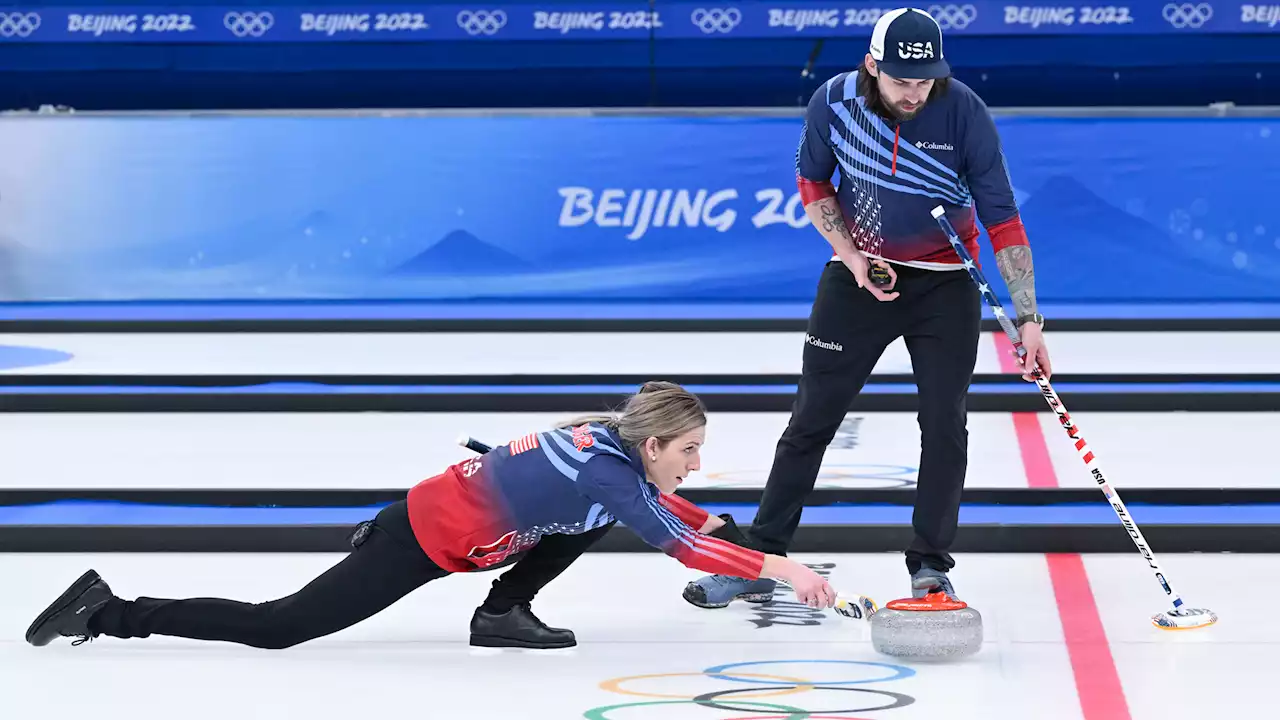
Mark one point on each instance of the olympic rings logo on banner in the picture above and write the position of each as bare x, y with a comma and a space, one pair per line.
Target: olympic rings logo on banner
767, 685
19, 24
716, 20
953, 17
482, 22
843, 476
249, 24
1186, 15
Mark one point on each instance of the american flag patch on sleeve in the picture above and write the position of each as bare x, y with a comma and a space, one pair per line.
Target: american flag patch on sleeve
528, 442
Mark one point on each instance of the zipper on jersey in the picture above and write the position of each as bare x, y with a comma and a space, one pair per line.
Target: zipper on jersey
897, 132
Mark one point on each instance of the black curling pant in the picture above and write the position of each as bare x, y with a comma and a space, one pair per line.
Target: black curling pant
938, 315
540, 565
386, 565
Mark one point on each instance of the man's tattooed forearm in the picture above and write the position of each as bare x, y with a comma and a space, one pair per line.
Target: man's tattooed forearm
1020, 276
833, 220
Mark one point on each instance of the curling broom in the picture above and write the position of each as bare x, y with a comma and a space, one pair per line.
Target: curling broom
1179, 617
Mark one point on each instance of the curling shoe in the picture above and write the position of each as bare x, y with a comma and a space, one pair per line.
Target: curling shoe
717, 591
69, 615
927, 581
518, 628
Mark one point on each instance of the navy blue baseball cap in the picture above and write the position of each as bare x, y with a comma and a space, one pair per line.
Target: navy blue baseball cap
907, 43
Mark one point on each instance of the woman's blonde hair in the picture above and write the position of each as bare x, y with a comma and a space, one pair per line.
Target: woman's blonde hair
662, 410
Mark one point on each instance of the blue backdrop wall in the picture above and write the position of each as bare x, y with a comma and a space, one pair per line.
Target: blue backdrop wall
108, 54
536, 207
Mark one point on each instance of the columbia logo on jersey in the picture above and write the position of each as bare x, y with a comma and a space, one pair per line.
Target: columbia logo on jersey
934, 146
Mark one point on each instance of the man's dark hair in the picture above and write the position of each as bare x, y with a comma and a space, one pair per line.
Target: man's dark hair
870, 89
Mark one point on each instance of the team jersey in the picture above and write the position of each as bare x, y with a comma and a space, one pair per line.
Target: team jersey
893, 174
567, 480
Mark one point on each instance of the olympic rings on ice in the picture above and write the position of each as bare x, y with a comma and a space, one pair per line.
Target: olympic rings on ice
768, 685
784, 717
897, 700
614, 685
899, 672
600, 713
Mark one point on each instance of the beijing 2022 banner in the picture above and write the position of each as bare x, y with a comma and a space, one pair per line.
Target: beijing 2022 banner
619, 19
649, 208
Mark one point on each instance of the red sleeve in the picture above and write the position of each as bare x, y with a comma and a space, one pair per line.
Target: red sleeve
718, 557
706, 553
812, 190
1007, 234
616, 485
690, 514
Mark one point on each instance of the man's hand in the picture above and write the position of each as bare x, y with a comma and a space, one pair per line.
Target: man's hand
1037, 353
885, 270
828, 218
860, 266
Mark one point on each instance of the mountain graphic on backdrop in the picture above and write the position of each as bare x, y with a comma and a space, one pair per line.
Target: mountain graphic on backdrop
461, 253
1103, 238
316, 220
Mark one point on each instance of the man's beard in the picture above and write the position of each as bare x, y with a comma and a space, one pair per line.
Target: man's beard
904, 115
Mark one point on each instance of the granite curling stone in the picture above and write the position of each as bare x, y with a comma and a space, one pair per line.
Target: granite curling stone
934, 627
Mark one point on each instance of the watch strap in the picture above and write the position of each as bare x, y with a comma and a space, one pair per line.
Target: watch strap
1036, 318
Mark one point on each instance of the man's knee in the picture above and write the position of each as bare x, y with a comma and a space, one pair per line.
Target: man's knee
944, 398
945, 422
808, 431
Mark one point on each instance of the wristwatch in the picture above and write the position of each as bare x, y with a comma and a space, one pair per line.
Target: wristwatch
1036, 318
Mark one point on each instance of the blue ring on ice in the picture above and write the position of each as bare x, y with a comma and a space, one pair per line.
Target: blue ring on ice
900, 672
19, 356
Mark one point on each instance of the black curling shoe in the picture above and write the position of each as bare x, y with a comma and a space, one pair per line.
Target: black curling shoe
519, 628
69, 615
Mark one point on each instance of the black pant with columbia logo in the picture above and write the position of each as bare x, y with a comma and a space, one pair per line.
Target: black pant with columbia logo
938, 315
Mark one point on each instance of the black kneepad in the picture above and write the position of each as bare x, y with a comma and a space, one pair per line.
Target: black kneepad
730, 532
360, 534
